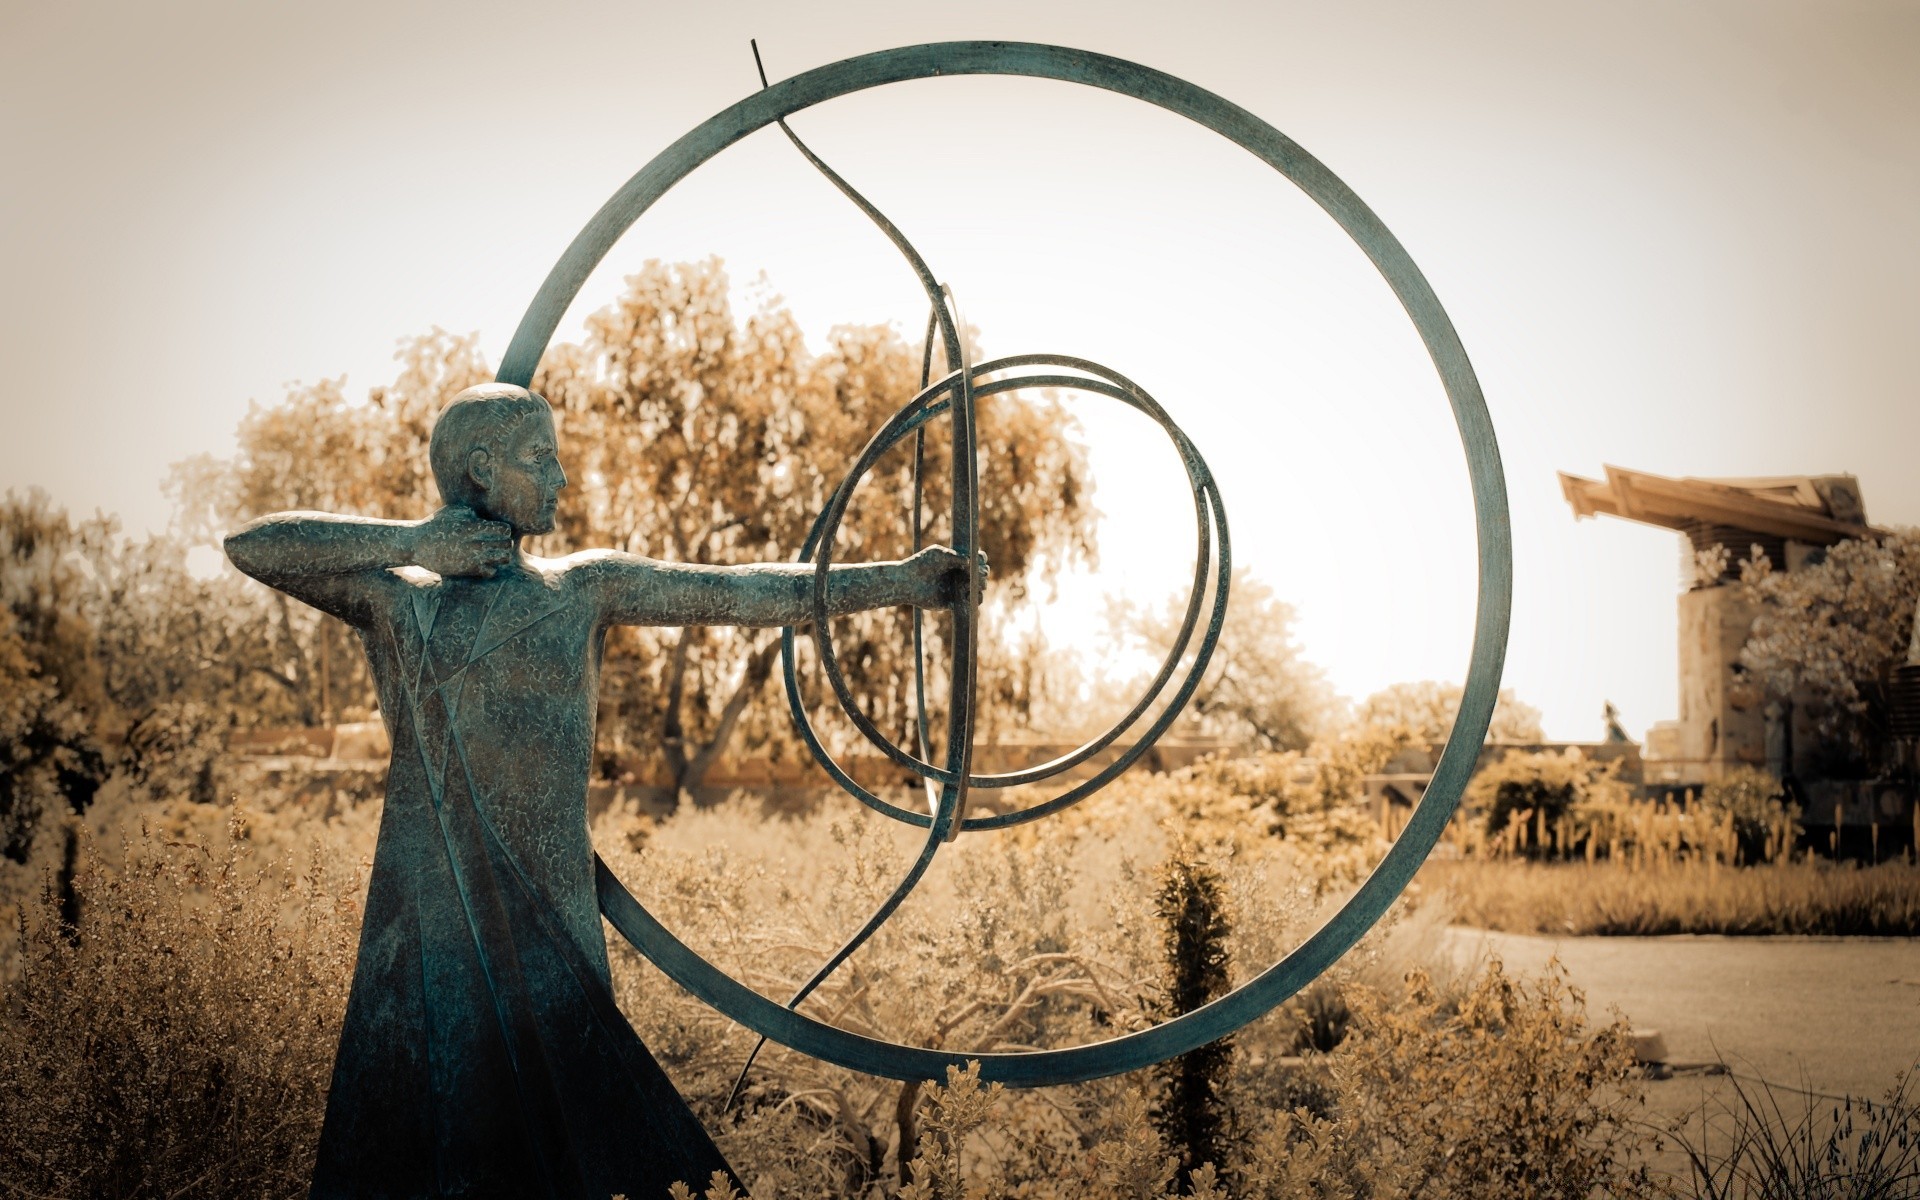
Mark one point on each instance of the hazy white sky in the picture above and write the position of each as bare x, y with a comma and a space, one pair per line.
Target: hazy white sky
1680, 237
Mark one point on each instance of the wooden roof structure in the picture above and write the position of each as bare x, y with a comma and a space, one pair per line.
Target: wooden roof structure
1816, 509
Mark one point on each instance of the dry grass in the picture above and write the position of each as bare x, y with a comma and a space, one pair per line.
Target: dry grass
1665, 897
182, 1046
179, 1042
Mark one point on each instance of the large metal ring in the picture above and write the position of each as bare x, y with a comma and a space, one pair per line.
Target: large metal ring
1371, 900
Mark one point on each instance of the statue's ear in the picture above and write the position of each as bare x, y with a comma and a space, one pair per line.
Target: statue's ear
480, 468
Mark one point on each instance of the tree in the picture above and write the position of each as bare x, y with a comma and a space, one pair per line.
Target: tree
1428, 708
113, 654
1828, 632
50, 758
695, 437
317, 449
1258, 690
688, 435
50, 754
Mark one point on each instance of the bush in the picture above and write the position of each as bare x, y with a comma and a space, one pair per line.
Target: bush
1506, 1090
1529, 796
184, 1044
1191, 1113
180, 1041
1765, 825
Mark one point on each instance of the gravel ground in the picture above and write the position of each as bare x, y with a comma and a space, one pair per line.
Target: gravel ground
1837, 1015
1828, 1016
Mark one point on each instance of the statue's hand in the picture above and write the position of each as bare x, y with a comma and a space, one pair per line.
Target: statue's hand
455, 541
940, 572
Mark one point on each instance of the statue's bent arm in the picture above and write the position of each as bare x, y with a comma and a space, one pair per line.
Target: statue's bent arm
633, 590
334, 563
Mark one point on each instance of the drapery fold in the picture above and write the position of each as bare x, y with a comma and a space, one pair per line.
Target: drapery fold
482, 1053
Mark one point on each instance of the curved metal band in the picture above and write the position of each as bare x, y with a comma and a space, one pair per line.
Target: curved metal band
909, 419
1494, 540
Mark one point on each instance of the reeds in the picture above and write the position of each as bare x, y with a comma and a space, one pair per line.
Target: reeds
1646, 894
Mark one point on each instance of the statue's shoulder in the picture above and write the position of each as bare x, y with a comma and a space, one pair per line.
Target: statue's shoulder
568, 570
585, 568
570, 578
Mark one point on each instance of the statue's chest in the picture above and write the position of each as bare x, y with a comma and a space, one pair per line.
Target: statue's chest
495, 649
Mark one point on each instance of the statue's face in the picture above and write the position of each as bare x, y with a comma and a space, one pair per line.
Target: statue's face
525, 478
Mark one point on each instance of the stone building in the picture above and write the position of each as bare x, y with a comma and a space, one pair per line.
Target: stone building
1725, 718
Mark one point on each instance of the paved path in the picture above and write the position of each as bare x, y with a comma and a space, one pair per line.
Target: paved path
1838, 1015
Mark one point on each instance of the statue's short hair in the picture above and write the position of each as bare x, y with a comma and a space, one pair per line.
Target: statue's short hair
482, 417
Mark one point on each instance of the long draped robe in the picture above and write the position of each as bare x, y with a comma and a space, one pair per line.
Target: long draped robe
482, 1053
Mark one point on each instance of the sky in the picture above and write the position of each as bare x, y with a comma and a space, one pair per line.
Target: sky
1679, 237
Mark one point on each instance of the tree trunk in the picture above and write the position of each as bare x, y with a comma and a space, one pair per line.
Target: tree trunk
758, 670
302, 668
673, 739
68, 890
903, 1116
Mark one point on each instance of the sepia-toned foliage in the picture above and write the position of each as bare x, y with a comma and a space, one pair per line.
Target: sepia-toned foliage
51, 759
1830, 630
1779, 1141
1754, 805
1258, 692
1535, 793
696, 436
1192, 1111
114, 656
1625, 897
181, 1043
229, 974
1427, 710
691, 435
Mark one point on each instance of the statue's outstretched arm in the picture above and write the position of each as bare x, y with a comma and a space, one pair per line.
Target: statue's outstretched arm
641, 591
332, 562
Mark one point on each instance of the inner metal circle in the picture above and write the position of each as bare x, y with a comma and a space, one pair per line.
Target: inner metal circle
1210, 529
1493, 539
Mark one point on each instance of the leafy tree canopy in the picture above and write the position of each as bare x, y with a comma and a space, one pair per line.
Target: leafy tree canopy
1829, 630
689, 434
1428, 708
1259, 690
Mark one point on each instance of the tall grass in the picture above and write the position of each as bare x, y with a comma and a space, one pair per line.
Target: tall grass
1659, 896
1807, 1146
178, 1042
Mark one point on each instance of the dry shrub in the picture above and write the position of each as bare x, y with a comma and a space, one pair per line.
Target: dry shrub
1503, 1089
1046, 936
179, 1040
182, 1046
1506, 1090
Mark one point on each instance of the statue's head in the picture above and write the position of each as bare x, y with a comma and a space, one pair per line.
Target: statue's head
493, 450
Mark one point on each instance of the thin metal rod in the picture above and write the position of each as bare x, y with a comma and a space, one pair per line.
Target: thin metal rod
925, 745
946, 804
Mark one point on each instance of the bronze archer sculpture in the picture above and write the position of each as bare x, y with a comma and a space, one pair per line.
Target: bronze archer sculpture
482, 1053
